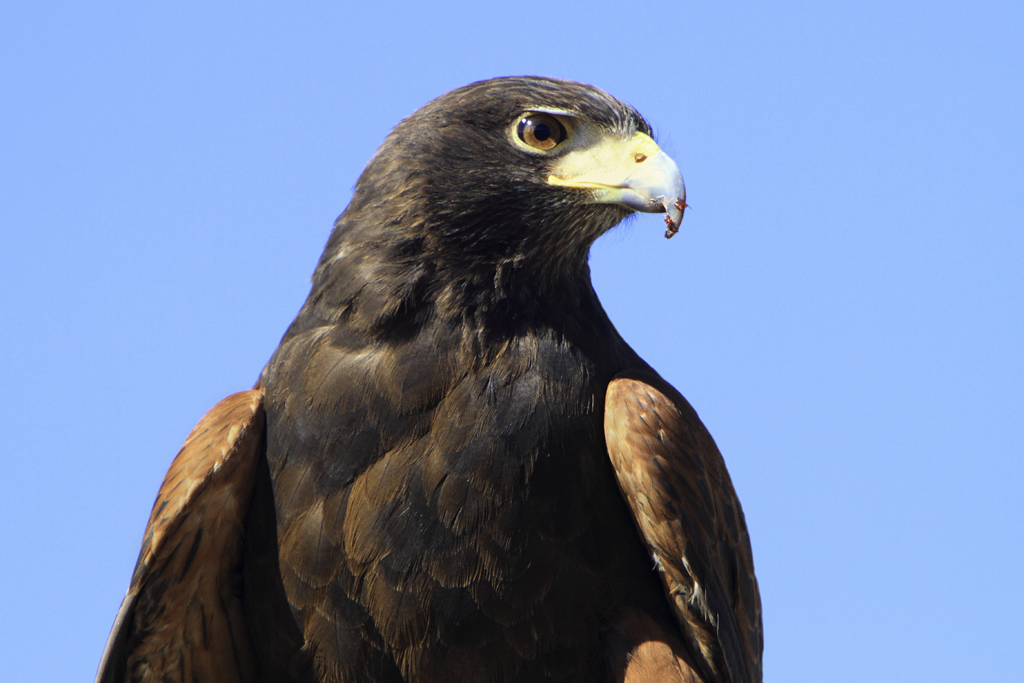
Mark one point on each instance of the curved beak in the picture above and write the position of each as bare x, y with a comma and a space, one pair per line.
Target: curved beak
635, 173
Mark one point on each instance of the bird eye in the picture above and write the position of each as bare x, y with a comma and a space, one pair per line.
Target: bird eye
541, 131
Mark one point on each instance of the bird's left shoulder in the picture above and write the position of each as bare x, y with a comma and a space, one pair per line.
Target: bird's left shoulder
683, 502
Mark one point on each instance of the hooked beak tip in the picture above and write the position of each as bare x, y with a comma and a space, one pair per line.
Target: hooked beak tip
674, 215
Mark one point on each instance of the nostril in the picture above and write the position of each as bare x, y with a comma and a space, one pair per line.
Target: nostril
639, 158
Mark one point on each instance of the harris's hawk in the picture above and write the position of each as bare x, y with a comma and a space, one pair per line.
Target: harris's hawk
453, 468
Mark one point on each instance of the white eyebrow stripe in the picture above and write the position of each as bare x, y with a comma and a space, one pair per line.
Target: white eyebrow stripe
555, 112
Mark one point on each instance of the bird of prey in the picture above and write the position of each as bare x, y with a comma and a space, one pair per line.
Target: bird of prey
453, 468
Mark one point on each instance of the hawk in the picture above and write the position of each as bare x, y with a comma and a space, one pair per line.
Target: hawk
454, 468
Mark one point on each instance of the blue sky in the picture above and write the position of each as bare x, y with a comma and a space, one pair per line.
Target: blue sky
843, 305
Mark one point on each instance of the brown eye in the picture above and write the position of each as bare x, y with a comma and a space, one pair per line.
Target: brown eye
541, 131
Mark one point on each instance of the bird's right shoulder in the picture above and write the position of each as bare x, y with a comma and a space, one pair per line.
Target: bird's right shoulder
182, 618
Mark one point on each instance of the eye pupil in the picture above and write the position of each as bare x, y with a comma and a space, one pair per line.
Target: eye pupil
541, 131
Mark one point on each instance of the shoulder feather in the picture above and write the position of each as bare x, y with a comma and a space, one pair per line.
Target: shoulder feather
684, 505
182, 619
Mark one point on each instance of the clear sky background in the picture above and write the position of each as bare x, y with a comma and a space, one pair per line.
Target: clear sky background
843, 305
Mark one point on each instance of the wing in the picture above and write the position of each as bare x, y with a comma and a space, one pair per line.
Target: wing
684, 505
182, 619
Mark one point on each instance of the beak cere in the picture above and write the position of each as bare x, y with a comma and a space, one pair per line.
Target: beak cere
635, 173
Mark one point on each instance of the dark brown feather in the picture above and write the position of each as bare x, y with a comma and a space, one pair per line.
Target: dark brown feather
683, 501
182, 619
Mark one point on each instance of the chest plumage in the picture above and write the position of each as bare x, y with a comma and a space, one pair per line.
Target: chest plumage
444, 509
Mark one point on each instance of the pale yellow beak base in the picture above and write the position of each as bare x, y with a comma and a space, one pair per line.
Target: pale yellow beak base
633, 172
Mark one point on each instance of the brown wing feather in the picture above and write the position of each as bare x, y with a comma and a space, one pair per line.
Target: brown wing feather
182, 619
684, 505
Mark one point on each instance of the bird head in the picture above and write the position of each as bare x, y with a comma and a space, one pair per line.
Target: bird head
521, 169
